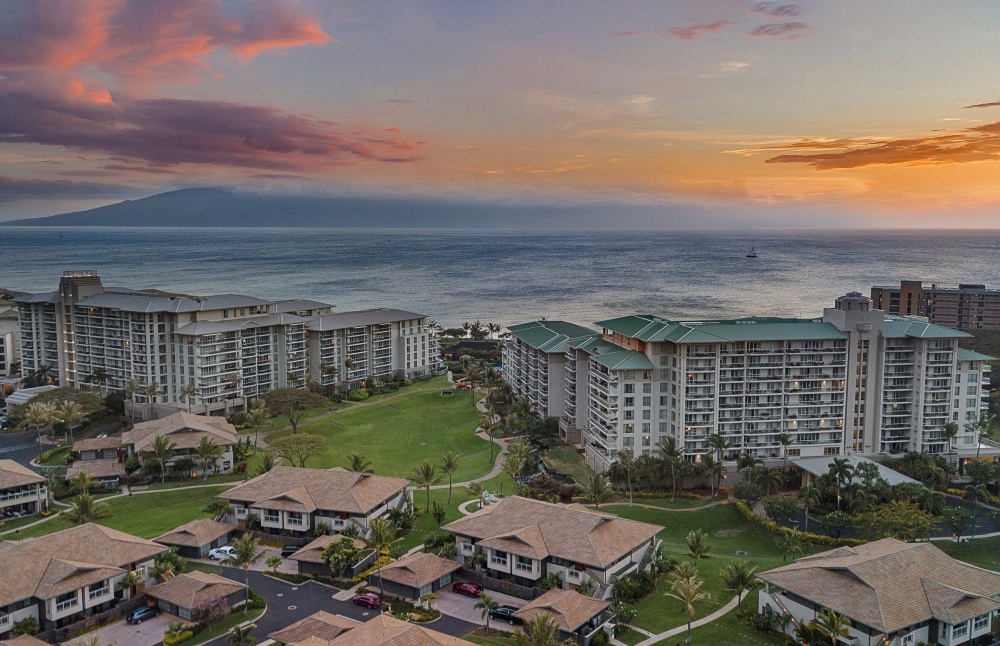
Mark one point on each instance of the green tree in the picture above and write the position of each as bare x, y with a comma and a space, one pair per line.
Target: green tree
958, 519
81, 483
257, 416
779, 508
597, 489
27, 626
449, 465
791, 545
425, 475
785, 439
297, 449
476, 489
980, 471
976, 493
273, 562
163, 450
218, 509
208, 453
71, 414
169, 561
359, 463
246, 552
933, 502
486, 604
99, 377
902, 520
671, 456
688, 592
87, 510
809, 495
841, 471
949, 432
832, 625
697, 543
768, 479
711, 469
719, 444
540, 630
128, 583
489, 425
242, 635
381, 538
293, 403
740, 577
341, 554
747, 462
132, 389
625, 463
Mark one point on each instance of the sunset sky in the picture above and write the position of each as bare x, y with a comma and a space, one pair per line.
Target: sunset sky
841, 113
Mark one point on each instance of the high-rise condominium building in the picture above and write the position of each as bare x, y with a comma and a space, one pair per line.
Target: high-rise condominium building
854, 381
966, 307
213, 352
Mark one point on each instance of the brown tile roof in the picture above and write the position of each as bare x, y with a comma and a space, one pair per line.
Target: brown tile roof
196, 533
385, 630
334, 489
419, 569
41, 566
568, 608
104, 468
890, 585
23, 640
185, 430
313, 552
13, 474
97, 444
321, 626
193, 589
539, 529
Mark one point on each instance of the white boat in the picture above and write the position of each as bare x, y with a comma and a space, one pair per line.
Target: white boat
753, 252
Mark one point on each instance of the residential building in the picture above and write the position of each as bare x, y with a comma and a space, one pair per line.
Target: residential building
382, 630
183, 594
23, 640
22, 491
185, 432
525, 541
101, 458
893, 593
294, 501
211, 353
852, 381
309, 558
966, 307
10, 347
415, 575
579, 617
196, 539
63, 577
318, 628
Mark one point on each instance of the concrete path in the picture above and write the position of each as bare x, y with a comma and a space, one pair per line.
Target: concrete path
682, 630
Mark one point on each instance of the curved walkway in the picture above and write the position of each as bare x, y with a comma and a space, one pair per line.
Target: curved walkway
682, 630
721, 501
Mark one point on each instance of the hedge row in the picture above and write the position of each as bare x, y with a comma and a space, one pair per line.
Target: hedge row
775, 528
382, 560
993, 500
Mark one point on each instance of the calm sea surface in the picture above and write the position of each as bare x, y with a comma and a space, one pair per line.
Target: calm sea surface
460, 276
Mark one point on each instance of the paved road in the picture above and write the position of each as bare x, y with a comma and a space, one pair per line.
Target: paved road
20, 447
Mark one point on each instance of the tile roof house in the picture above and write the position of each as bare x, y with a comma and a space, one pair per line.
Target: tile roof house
185, 431
319, 628
894, 593
292, 500
413, 576
197, 538
386, 630
60, 578
186, 592
525, 541
309, 558
23, 640
22, 491
101, 458
578, 616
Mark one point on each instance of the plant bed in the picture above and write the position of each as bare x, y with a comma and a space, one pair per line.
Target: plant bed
408, 612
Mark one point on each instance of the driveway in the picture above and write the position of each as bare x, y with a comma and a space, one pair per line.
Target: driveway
287, 566
462, 607
19, 447
148, 633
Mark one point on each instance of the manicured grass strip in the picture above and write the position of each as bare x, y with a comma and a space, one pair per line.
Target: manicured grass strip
490, 641
568, 461
982, 552
727, 631
223, 627
427, 525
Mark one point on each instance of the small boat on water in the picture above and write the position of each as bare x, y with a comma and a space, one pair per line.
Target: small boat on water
753, 252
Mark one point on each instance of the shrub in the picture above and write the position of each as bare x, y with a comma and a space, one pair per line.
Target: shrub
775, 528
257, 602
357, 395
382, 560
176, 638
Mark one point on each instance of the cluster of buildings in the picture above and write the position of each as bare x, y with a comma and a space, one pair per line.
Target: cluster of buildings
215, 352
966, 307
856, 380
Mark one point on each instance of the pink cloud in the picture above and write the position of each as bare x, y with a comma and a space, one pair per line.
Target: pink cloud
691, 32
775, 9
781, 31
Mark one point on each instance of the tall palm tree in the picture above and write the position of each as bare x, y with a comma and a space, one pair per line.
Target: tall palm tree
713, 470
980, 427
449, 465
163, 450
87, 510
246, 552
489, 426
718, 443
475, 373
258, 415
476, 489
949, 432
933, 502
809, 495
688, 592
486, 604
381, 538
540, 630
132, 388
698, 547
597, 489
791, 545
151, 391
785, 439
626, 462
768, 479
80, 484
242, 635
188, 393
842, 472
748, 461
425, 475
208, 452
100, 377
673, 457
977, 494
359, 463
70, 413
740, 577
37, 416
832, 625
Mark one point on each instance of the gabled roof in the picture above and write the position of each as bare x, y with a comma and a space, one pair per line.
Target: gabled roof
97, 443
185, 431
419, 569
964, 354
199, 328
321, 625
646, 327
313, 552
45, 565
148, 304
24, 395
537, 529
361, 318
23, 640
193, 589
568, 608
334, 489
196, 533
889, 585
13, 474
897, 327
386, 630
550, 336
102, 469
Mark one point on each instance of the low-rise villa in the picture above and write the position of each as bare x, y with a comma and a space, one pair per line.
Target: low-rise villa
196, 539
63, 577
22, 491
579, 617
525, 541
185, 431
101, 458
893, 593
294, 501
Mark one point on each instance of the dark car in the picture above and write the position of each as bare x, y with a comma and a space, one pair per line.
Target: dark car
468, 588
288, 550
139, 615
368, 600
505, 613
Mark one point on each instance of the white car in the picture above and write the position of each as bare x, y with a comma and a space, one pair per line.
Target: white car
221, 553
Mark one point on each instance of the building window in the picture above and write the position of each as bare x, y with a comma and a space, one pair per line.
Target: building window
294, 518
271, 517
65, 601
499, 558
523, 563
961, 630
981, 622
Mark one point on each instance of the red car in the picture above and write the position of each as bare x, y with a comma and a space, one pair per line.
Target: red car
468, 588
368, 600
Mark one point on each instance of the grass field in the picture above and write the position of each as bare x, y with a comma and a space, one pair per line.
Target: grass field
983, 552
427, 525
566, 460
396, 435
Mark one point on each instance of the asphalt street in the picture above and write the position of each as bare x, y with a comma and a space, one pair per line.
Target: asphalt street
20, 447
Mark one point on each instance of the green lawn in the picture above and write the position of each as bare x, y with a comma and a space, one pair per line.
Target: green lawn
426, 523
490, 641
727, 631
568, 461
398, 434
223, 627
983, 552
665, 503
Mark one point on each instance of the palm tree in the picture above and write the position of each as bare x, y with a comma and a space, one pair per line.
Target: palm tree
359, 463
740, 577
698, 547
132, 388
258, 416
540, 630
100, 377
597, 489
208, 452
476, 489
718, 443
37, 416
980, 427
188, 393
842, 471
489, 426
791, 545
933, 502
163, 450
749, 462
832, 625
688, 592
428, 600
128, 584
273, 562
809, 495
449, 465
466, 327
977, 494
486, 604
81, 483
713, 469
70, 413
673, 457
242, 635
425, 476
476, 372
245, 554
949, 432
381, 539
768, 479
87, 510
626, 463
494, 328
785, 439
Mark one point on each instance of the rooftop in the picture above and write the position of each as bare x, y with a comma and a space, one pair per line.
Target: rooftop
196, 533
965, 354
419, 569
185, 431
361, 318
568, 608
550, 336
199, 328
819, 466
386, 630
897, 327
13, 474
193, 589
646, 327
321, 625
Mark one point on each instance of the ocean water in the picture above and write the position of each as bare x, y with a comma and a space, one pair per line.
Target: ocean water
456, 276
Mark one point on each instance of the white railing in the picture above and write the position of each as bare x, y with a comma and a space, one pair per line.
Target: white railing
69, 603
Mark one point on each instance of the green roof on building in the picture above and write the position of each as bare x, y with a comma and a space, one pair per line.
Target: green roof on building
919, 328
623, 359
549, 336
965, 354
654, 329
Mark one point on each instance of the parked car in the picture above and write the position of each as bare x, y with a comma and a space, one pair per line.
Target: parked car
141, 614
468, 588
368, 600
288, 550
505, 613
221, 553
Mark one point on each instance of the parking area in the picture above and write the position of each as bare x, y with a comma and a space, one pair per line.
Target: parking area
287, 565
462, 607
148, 633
